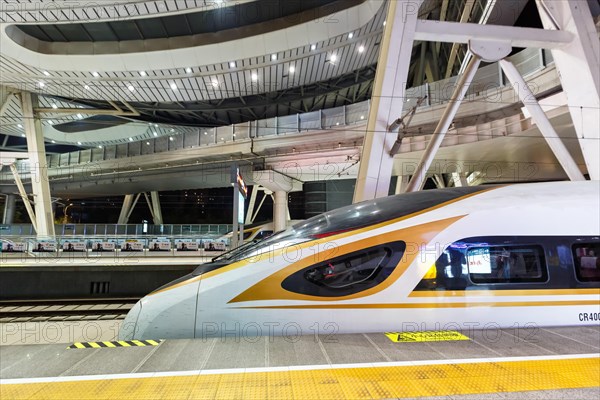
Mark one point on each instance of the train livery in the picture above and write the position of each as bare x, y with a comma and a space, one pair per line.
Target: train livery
457, 258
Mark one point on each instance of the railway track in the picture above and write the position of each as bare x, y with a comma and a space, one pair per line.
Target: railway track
65, 309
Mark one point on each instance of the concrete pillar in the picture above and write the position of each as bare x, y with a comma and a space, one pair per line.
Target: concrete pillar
9, 209
578, 64
280, 211
38, 165
387, 101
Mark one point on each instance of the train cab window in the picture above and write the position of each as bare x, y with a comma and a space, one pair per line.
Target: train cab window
347, 274
506, 264
587, 261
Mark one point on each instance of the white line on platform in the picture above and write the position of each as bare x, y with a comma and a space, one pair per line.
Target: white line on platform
292, 368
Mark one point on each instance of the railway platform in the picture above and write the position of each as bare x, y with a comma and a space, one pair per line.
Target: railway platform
518, 363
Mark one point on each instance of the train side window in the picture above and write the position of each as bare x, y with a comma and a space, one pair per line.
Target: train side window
507, 264
587, 261
347, 274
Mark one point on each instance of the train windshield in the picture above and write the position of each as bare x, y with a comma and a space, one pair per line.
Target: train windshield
352, 217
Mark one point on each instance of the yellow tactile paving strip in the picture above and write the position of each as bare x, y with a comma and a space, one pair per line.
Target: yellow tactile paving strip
334, 383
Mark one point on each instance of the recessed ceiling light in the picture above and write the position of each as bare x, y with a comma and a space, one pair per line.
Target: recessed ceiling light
273, 57
313, 46
143, 73
99, 146
215, 83
79, 116
131, 139
362, 117
171, 138
188, 70
361, 49
131, 88
156, 125
174, 86
20, 126
232, 64
46, 73
41, 84
333, 58
22, 135
206, 133
86, 87
292, 69
53, 141
350, 35
172, 130
337, 124
79, 143
155, 134
95, 74
51, 122
254, 76
147, 143
54, 106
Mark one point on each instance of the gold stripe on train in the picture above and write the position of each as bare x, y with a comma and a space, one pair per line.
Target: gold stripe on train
516, 292
435, 305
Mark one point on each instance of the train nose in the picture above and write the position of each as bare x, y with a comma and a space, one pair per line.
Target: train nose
128, 327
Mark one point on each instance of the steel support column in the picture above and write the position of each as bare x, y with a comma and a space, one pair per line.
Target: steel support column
126, 209
543, 123
9, 209
578, 63
157, 212
387, 101
418, 179
38, 166
402, 183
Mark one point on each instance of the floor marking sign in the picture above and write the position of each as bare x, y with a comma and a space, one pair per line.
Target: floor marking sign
429, 336
118, 343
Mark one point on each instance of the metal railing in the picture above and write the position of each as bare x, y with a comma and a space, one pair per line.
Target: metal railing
95, 230
487, 78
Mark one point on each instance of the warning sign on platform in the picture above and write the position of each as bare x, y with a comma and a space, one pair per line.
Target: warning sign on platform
431, 336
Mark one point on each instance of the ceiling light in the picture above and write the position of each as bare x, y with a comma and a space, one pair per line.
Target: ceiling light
292, 69
131, 139
79, 143
147, 143
156, 125
313, 46
95, 74
384, 22
131, 88
362, 117
46, 73
53, 141
51, 122
232, 64
171, 138
86, 87
188, 70
333, 58
174, 86
206, 133
155, 134
215, 83
79, 116
254, 76
273, 57
337, 124
361, 49
54, 106
99, 146
350, 35
22, 135
143, 73
20, 126
41, 84
172, 130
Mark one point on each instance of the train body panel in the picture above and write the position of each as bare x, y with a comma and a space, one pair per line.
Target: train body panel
515, 256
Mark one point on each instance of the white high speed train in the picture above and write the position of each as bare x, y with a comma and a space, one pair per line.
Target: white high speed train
461, 258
